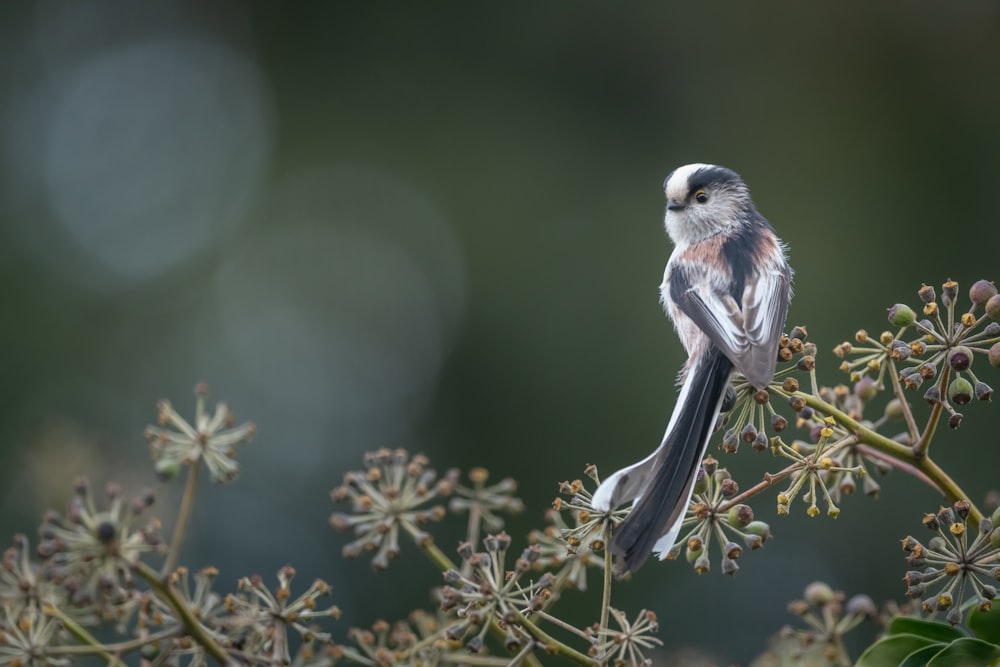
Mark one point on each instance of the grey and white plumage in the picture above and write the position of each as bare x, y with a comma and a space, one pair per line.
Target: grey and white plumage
726, 288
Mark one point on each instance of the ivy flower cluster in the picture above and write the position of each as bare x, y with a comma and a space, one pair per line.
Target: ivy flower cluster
391, 495
570, 547
954, 570
212, 438
828, 618
492, 593
713, 516
939, 347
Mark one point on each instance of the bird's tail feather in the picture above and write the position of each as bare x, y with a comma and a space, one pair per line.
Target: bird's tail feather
663, 503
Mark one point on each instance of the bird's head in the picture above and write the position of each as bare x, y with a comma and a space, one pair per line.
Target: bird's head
704, 200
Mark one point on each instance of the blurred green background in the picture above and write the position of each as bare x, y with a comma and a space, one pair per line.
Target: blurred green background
440, 227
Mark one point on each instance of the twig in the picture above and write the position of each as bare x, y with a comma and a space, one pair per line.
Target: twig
183, 514
90, 641
167, 594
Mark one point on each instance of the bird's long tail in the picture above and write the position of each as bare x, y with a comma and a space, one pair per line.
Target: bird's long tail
662, 483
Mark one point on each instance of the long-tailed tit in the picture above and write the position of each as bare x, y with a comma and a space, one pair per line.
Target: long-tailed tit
726, 288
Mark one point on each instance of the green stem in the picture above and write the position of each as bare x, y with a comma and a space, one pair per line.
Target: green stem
921, 446
552, 645
168, 595
90, 641
120, 647
911, 423
606, 597
183, 514
918, 459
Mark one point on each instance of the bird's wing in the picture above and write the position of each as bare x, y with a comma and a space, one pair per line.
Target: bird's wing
747, 332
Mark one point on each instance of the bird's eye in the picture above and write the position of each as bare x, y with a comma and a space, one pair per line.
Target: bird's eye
701, 196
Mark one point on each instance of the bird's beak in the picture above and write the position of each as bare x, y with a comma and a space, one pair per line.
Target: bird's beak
674, 205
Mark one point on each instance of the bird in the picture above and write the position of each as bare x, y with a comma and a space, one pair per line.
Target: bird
726, 288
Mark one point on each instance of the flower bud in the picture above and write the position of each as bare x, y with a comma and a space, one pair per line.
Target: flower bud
818, 593
729, 488
983, 391
759, 443
748, 433
760, 529
955, 420
730, 441
994, 355
740, 516
992, 330
981, 292
960, 391
861, 605
901, 315
894, 409
993, 307
933, 395
926, 293
870, 486
701, 481
949, 292
710, 464
778, 423
960, 357
866, 388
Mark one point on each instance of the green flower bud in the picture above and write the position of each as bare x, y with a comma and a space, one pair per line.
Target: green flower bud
894, 409
759, 528
701, 481
982, 291
901, 315
993, 307
739, 516
960, 357
995, 537
167, 469
960, 391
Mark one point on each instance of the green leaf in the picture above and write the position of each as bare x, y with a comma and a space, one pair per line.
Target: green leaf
986, 624
891, 651
966, 652
921, 657
940, 632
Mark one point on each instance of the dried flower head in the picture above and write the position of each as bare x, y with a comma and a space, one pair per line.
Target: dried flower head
485, 502
261, 617
628, 644
828, 618
94, 550
393, 493
491, 592
570, 547
212, 438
